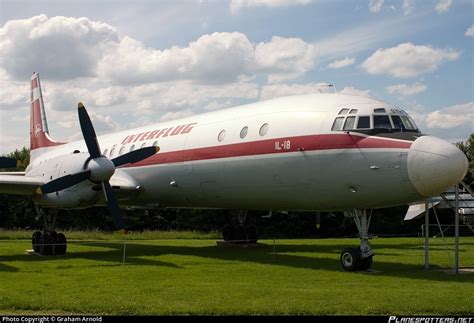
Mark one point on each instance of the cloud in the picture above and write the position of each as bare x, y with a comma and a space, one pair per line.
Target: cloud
176, 115
70, 48
452, 117
408, 6
408, 60
237, 5
375, 5
342, 63
406, 89
282, 89
469, 32
350, 90
64, 47
284, 58
443, 5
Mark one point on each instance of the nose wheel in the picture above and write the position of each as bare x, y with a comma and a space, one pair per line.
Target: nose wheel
354, 259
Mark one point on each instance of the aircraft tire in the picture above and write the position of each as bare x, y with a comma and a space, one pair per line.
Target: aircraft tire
365, 263
46, 249
350, 259
61, 244
228, 232
252, 233
240, 234
35, 240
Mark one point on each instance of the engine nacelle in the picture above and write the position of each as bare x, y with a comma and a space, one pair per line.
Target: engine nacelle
81, 195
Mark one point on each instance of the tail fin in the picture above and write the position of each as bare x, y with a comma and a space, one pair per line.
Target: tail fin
39, 134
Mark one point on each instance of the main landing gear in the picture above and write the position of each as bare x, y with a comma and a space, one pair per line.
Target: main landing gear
240, 233
48, 242
353, 259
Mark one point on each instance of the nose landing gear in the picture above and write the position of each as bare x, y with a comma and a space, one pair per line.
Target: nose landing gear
353, 259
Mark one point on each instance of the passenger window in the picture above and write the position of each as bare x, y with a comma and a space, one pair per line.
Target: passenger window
155, 143
397, 123
382, 121
112, 151
363, 123
337, 125
132, 148
349, 124
143, 145
353, 111
380, 110
343, 111
122, 149
243, 132
221, 136
105, 152
263, 129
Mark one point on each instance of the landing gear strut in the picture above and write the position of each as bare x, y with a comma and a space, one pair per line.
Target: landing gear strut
353, 259
48, 242
240, 233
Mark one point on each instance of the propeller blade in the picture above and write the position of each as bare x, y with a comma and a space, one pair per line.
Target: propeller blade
135, 156
113, 206
6, 162
63, 182
88, 131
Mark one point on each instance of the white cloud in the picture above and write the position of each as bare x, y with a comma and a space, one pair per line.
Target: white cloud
375, 5
469, 32
350, 90
406, 89
64, 47
284, 58
408, 60
281, 89
176, 115
452, 117
443, 5
342, 63
237, 5
408, 6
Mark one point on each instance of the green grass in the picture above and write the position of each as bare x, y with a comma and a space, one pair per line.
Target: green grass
194, 276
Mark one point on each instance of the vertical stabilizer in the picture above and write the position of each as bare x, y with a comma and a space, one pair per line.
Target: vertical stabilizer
39, 133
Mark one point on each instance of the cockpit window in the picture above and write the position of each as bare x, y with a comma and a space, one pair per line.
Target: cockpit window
337, 125
363, 122
382, 121
397, 123
407, 122
349, 124
380, 110
343, 111
353, 111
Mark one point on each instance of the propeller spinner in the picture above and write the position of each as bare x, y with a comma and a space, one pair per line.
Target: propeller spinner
99, 169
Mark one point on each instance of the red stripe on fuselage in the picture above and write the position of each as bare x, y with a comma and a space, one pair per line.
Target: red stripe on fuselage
275, 146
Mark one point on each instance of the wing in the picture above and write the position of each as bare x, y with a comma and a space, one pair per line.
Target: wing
18, 184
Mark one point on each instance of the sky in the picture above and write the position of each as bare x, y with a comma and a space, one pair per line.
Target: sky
134, 63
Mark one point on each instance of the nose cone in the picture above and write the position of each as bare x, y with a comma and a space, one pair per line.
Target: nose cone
434, 165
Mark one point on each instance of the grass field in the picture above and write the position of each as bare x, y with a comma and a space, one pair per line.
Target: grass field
192, 275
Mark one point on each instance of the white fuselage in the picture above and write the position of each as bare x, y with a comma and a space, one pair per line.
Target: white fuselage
289, 159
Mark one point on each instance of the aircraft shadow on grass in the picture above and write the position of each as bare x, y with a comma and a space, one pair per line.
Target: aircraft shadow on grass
137, 253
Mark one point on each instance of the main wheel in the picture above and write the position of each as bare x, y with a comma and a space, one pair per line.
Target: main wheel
35, 241
252, 233
228, 232
350, 258
61, 244
365, 263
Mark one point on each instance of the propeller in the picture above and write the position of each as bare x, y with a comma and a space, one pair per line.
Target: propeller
6, 162
99, 169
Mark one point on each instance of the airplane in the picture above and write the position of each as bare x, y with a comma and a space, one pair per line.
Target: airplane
314, 152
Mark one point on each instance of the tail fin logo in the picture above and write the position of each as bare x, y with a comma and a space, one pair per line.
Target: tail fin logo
38, 129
